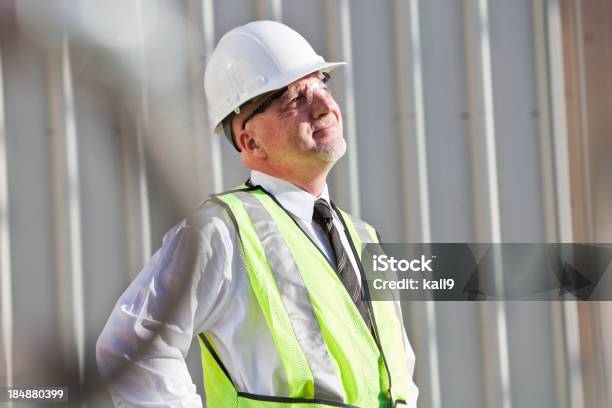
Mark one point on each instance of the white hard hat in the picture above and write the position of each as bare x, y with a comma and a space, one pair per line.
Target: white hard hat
253, 59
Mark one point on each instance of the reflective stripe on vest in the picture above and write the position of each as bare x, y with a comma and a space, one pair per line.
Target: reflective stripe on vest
328, 355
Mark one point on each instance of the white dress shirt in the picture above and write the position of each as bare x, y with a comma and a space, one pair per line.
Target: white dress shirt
196, 282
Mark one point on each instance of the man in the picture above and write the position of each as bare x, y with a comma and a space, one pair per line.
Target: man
268, 275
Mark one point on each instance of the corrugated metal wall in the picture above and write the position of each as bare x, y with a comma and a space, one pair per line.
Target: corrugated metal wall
456, 121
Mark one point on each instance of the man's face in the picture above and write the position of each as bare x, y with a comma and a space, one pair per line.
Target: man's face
301, 127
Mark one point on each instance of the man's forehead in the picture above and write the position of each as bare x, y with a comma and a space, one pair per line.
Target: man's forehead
307, 78
303, 79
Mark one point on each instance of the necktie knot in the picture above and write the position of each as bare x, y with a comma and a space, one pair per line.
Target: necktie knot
322, 213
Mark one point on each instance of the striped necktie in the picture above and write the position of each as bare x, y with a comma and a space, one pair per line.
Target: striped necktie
322, 215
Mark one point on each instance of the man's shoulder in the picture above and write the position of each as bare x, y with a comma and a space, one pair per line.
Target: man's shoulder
214, 209
209, 218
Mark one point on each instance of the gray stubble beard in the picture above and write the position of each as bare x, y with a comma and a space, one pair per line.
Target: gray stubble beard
329, 152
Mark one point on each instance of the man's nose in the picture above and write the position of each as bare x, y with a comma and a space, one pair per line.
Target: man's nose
322, 103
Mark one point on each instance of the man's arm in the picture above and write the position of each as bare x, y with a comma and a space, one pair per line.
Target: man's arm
142, 348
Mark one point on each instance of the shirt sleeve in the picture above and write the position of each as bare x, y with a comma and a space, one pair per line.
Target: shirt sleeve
180, 291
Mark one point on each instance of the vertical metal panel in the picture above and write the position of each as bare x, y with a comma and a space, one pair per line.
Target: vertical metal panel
584, 122
482, 116
559, 346
557, 100
445, 107
594, 29
214, 157
494, 338
142, 125
269, 10
587, 39
30, 217
60, 230
591, 354
131, 192
604, 329
594, 42
516, 120
562, 188
485, 184
196, 68
67, 209
563, 376
133, 125
6, 303
544, 120
575, 126
517, 147
346, 172
410, 122
409, 65
548, 192
171, 159
201, 29
419, 124
309, 19
529, 323
74, 210
410, 106
446, 104
375, 117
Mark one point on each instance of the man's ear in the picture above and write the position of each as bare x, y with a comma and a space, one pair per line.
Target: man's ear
249, 144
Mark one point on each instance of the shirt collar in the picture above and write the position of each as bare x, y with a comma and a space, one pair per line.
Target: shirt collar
295, 200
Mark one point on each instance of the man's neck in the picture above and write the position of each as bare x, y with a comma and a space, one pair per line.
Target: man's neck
314, 187
313, 184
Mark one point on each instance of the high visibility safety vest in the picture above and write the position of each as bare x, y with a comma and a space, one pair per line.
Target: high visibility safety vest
329, 355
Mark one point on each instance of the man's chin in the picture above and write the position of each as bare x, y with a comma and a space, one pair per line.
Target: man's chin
332, 151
